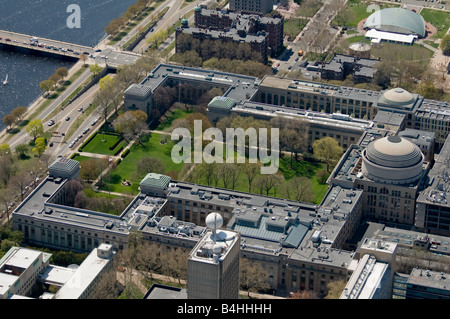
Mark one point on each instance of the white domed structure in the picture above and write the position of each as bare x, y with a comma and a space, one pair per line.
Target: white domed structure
397, 98
392, 160
214, 221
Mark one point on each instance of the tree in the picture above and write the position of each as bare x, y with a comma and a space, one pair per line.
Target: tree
35, 128
20, 182
327, 150
5, 150
6, 199
267, 183
7, 168
250, 170
84, 58
62, 72
19, 111
40, 146
55, 78
299, 188
46, 85
95, 69
105, 82
253, 277
131, 124
21, 150
9, 120
445, 45
150, 165
102, 99
90, 169
335, 289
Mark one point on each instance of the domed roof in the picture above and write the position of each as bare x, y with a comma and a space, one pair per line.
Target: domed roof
398, 20
398, 95
393, 151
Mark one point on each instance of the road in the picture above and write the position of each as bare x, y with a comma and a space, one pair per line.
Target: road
102, 54
22, 137
42, 44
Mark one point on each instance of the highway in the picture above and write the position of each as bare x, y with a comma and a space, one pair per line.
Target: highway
103, 54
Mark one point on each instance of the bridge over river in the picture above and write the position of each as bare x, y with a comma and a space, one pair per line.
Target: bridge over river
113, 57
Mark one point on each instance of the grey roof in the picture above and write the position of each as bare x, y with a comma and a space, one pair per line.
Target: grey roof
64, 164
222, 102
138, 90
156, 181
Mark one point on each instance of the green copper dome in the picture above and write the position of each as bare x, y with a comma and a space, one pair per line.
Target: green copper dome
397, 20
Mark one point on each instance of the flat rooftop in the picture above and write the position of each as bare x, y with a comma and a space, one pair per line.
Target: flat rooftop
320, 88
83, 276
427, 278
240, 87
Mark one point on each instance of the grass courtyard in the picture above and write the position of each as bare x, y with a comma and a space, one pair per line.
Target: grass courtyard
159, 146
152, 147
101, 144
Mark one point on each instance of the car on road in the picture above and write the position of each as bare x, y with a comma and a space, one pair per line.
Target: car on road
51, 122
68, 118
80, 109
51, 144
8, 39
86, 130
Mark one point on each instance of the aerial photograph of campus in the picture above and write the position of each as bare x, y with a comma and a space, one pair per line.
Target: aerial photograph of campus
256, 152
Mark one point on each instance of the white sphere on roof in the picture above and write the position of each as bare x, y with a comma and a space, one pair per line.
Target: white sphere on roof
214, 221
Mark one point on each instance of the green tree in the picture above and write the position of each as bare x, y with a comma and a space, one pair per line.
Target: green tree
5, 150
19, 112
39, 146
105, 82
21, 151
9, 120
35, 128
62, 72
46, 85
327, 150
445, 45
95, 69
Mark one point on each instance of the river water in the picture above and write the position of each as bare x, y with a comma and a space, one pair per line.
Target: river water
47, 19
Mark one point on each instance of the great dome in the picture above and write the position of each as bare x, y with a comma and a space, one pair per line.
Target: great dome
397, 20
393, 160
398, 96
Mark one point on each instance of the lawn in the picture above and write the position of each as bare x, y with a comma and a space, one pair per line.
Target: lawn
360, 11
439, 19
101, 143
170, 116
396, 52
81, 158
127, 167
301, 168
